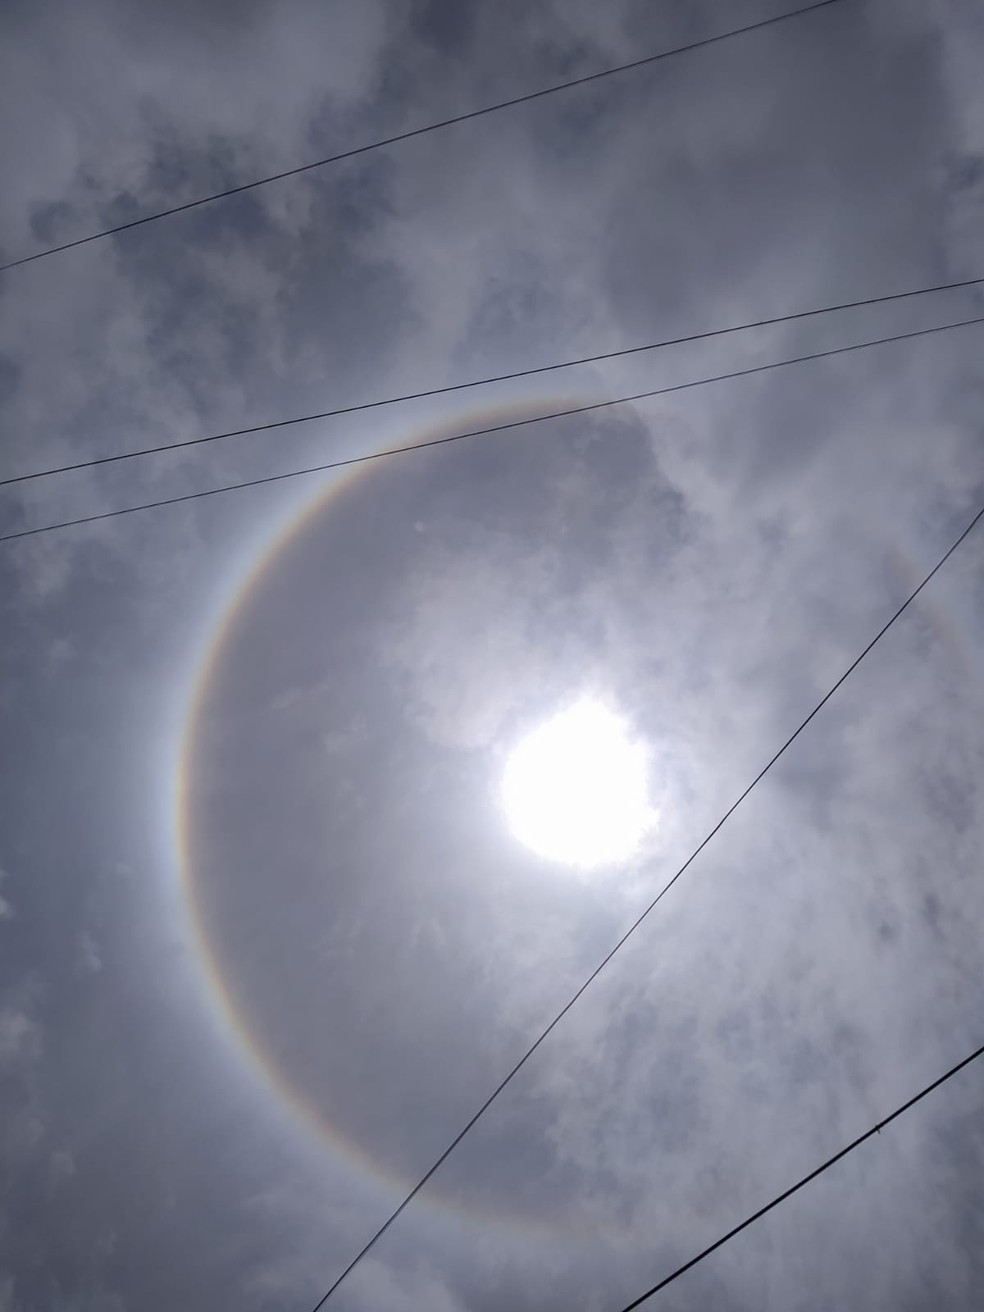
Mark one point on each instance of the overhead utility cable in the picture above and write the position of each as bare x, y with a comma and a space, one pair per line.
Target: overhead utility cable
416, 132
688, 339
788, 1193
588, 407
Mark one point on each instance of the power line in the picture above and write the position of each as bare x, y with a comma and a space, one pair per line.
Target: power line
635, 925
492, 378
481, 432
788, 1193
418, 132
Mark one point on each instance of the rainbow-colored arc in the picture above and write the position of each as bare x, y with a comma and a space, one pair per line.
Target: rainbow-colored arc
232, 1019
901, 564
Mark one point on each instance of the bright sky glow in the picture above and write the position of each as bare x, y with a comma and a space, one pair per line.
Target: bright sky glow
574, 790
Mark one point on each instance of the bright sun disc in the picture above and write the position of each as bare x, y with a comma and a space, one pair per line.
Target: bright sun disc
574, 790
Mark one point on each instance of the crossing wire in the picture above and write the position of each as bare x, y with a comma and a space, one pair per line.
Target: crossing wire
639, 920
805, 1180
598, 358
588, 407
419, 132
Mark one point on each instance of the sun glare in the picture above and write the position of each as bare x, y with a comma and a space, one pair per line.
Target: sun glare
574, 790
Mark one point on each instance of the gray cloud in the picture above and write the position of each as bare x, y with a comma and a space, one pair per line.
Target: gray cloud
708, 562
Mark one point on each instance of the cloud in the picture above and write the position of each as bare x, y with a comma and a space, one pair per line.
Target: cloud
20, 1038
710, 561
88, 957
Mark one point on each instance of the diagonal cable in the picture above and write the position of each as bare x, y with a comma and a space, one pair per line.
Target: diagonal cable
805, 1180
481, 432
492, 378
635, 925
415, 132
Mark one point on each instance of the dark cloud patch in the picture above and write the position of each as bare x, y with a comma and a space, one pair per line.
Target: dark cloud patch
814, 125
446, 25
9, 377
51, 223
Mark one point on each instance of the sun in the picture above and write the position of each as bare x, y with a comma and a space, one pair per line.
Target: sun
574, 790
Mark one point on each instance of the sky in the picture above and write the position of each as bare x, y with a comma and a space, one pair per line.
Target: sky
267, 940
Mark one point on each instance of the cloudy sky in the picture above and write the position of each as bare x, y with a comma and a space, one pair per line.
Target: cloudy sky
267, 939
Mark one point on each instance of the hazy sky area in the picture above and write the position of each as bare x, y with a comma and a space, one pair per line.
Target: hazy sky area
267, 940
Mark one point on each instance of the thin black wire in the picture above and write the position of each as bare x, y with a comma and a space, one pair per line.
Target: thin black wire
418, 132
788, 1193
492, 378
635, 925
481, 432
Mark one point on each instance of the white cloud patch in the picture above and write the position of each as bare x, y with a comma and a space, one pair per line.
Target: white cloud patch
88, 956
20, 1038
